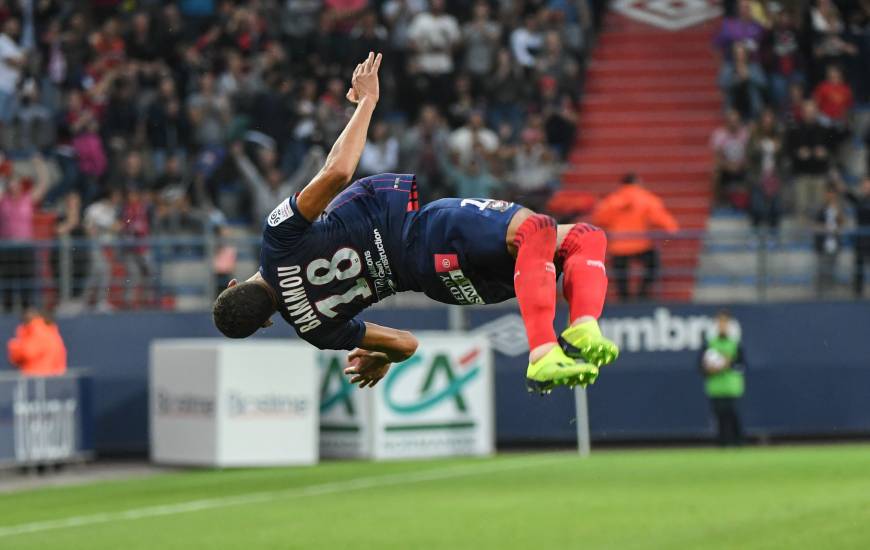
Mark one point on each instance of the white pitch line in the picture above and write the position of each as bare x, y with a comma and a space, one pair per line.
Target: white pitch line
359, 484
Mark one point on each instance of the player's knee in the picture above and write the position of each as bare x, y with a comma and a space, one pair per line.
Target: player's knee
533, 224
597, 240
585, 238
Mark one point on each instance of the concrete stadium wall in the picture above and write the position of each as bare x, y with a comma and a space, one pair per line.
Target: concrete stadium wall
809, 370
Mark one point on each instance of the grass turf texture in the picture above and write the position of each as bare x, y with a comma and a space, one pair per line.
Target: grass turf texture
783, 497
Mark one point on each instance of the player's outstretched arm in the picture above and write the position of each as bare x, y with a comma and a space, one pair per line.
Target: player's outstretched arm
342, 159
396, 345
381, 347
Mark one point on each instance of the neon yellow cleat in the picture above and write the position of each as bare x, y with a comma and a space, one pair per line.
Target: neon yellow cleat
585, 342
557, 369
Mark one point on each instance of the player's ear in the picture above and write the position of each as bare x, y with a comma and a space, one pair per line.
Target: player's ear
233, 283
267, 324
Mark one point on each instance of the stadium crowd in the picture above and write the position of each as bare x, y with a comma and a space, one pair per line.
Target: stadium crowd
149, 118
795, 77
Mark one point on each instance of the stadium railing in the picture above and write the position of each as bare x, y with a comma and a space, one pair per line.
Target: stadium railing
180, 272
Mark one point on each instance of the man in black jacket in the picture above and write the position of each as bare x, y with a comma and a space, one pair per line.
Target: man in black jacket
808, 147
861, 203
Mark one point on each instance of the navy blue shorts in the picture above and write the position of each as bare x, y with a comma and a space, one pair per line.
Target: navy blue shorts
457, 250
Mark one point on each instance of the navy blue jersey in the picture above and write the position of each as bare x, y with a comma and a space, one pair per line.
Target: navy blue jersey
371, 242
326, 272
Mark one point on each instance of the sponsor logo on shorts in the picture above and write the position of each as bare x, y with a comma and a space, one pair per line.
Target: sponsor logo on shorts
460, 287
282, 212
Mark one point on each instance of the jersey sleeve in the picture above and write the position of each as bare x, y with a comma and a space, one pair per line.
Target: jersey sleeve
285, 223
337, 335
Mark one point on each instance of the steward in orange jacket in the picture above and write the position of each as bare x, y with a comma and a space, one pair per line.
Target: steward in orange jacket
37, 348
628, 215
632, 209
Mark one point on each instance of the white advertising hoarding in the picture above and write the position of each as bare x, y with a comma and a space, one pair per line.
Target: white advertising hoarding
222, 403
345, 411
437, 403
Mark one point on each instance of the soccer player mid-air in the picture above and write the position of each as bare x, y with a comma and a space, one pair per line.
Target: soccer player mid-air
330, 251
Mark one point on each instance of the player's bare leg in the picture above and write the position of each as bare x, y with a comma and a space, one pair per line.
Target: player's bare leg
534, 244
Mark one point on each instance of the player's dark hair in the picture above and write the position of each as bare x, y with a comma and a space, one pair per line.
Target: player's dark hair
241, 309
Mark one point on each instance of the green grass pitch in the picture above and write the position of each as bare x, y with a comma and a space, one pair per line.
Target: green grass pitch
781, 497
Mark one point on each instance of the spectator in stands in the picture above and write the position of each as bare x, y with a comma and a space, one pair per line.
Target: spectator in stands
172, 176
471, 179
474, 133
834, 99
209, 112
12, 59
729, 147
535, 168
166, 125
174, 215
420, 150
829, 223
857, 65
765, 168
480, 38
861, 203
121, 118
82, 120
553, 61
628, 215
722, 362
433, 35
560, 118
18, 203
744, 32
68, 226
269, 189
37, 348
573, 20
102, 224
34, 120
135, 253
381, 153
463, 104
507, 89
746, 94
132, 174
781, 52
828, 46
526, 41
808, 148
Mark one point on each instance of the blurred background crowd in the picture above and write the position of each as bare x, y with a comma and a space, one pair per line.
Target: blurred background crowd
149, 118
123, 121
796, 82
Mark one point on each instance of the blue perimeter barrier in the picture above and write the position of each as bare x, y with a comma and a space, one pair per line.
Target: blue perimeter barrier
808, 374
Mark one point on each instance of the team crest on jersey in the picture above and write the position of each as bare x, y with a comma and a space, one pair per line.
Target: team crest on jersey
282, 212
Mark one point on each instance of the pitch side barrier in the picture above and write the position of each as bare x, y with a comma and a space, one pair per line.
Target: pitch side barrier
808, 370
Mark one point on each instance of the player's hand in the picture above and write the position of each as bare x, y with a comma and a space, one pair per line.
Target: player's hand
366, 368
364, 83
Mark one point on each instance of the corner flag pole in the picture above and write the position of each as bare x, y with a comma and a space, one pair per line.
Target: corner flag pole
582, 406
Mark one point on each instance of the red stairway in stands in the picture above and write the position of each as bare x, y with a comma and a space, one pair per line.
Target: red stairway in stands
650, 105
